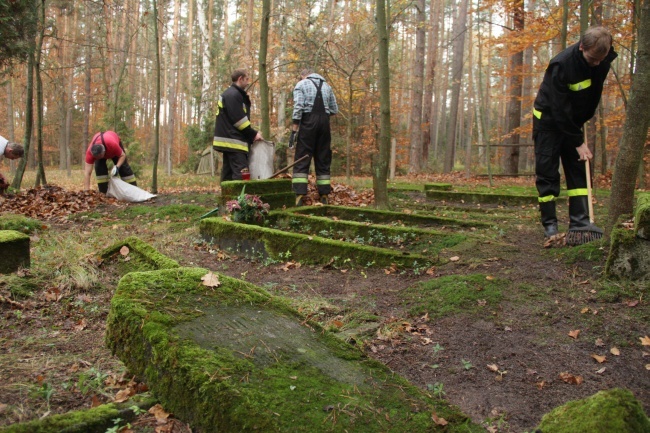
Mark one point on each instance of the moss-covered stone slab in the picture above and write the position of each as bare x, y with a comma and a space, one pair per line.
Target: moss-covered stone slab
276, 192
642, 216
437, 187
629, 256
234, 358
141, 256
482, 198
376, 216
96, 420
614, 410
14, 250
397, 238
20, 223
261, 242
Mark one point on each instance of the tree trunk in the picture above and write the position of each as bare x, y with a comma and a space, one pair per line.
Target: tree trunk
173, 86
415, 155
264, 84
156, 140
456, 77
635, 130
206, 79
40, 174
432, 54
514, 102
381, 158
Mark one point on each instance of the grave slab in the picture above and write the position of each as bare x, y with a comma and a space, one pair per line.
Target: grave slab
14, 250
233, 358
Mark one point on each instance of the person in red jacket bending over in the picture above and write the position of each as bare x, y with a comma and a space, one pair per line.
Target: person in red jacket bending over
106, 145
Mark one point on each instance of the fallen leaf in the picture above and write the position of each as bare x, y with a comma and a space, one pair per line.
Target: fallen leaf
584, 310
493, 367
454, 259
3, 408
489, 278
598, 358
569, 378
574, 333
482, 302
210, 280
81, 325
95, 401
644, 354
124, 250
426, 341
645, 341
438, 420
337, 323
53, 294
614, 351
601, 371
540, 385
633, 303
599, 342
124, 394
159, 413
647, 366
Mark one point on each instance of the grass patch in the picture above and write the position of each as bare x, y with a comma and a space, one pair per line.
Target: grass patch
590, 252
173, 212
20, 223
454, 294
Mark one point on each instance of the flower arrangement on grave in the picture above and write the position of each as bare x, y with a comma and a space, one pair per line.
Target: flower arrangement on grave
247, 208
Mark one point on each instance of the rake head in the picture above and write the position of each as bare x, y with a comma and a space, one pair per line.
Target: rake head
583, 235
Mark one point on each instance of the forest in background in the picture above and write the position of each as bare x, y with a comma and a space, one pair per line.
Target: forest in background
463, 76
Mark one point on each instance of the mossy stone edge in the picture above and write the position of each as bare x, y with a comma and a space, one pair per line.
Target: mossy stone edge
437, 186
145, 252
614, 410
481, 198
14, 248
642, 216
94, 420
222, 390
260, 242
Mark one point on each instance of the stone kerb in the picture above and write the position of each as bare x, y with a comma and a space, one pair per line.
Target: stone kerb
261, 243
276, 192
629, 253
14, 250
377, 216
482, 198
140, 256
437, 187
234, 358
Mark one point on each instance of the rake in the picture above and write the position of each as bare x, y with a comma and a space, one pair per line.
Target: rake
583, 235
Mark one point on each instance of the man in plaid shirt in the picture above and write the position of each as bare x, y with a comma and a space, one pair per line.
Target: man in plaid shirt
313, 104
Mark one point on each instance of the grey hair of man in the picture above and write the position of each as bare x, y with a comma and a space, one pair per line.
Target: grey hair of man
97, 150
16, 149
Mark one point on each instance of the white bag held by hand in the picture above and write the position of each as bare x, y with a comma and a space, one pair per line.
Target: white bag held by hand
121, 190
260, 159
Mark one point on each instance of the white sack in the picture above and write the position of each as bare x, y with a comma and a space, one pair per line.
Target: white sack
260, 159
121, 190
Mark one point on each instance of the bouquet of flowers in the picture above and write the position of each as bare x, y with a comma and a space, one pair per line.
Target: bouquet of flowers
247, 208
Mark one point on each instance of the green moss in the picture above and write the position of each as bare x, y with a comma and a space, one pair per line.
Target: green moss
476, 197
142, 256
453, 294
258, 187
215, 387
591, 252
437, 186
642, 216
628, 256
385, 217
260, 242
96, 420
174, 212
615, 410
20, 223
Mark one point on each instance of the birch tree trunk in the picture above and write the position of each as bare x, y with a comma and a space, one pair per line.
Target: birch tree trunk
206, 83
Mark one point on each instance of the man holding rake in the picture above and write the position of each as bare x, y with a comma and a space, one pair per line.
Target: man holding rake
567, 99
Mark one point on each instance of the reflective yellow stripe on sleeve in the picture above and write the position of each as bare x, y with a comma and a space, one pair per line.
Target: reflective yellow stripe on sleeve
581, 85
577, 192
243, 124
537, 113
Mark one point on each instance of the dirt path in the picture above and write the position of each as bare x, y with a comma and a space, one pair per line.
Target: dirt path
500, 362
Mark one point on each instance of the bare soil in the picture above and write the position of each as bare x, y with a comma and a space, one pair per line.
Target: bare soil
501, 365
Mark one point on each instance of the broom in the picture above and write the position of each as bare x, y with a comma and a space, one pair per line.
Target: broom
583, 235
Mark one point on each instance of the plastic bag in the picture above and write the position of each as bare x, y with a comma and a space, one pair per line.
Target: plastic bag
121, 190
260, 159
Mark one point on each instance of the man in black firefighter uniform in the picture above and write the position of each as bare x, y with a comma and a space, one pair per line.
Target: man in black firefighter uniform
232, 130
313, 104
567, 98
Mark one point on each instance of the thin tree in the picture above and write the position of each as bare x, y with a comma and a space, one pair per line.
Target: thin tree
515, 85
381, 158
264, 83
415, 155
635, 130
156, 140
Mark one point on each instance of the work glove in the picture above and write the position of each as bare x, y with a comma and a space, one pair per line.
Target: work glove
292, 139
115, 170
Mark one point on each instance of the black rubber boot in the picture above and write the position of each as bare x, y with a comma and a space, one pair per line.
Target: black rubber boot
324, 199
578, 212
549, 218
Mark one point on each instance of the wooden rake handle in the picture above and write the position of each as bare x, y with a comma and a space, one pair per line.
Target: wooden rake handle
589, 195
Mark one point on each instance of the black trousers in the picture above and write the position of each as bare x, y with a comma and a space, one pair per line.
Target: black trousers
550, 149
101, 173
233, 164
314, 139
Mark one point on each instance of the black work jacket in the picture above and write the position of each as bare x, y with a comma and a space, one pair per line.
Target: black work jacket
570, 93
232, 129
